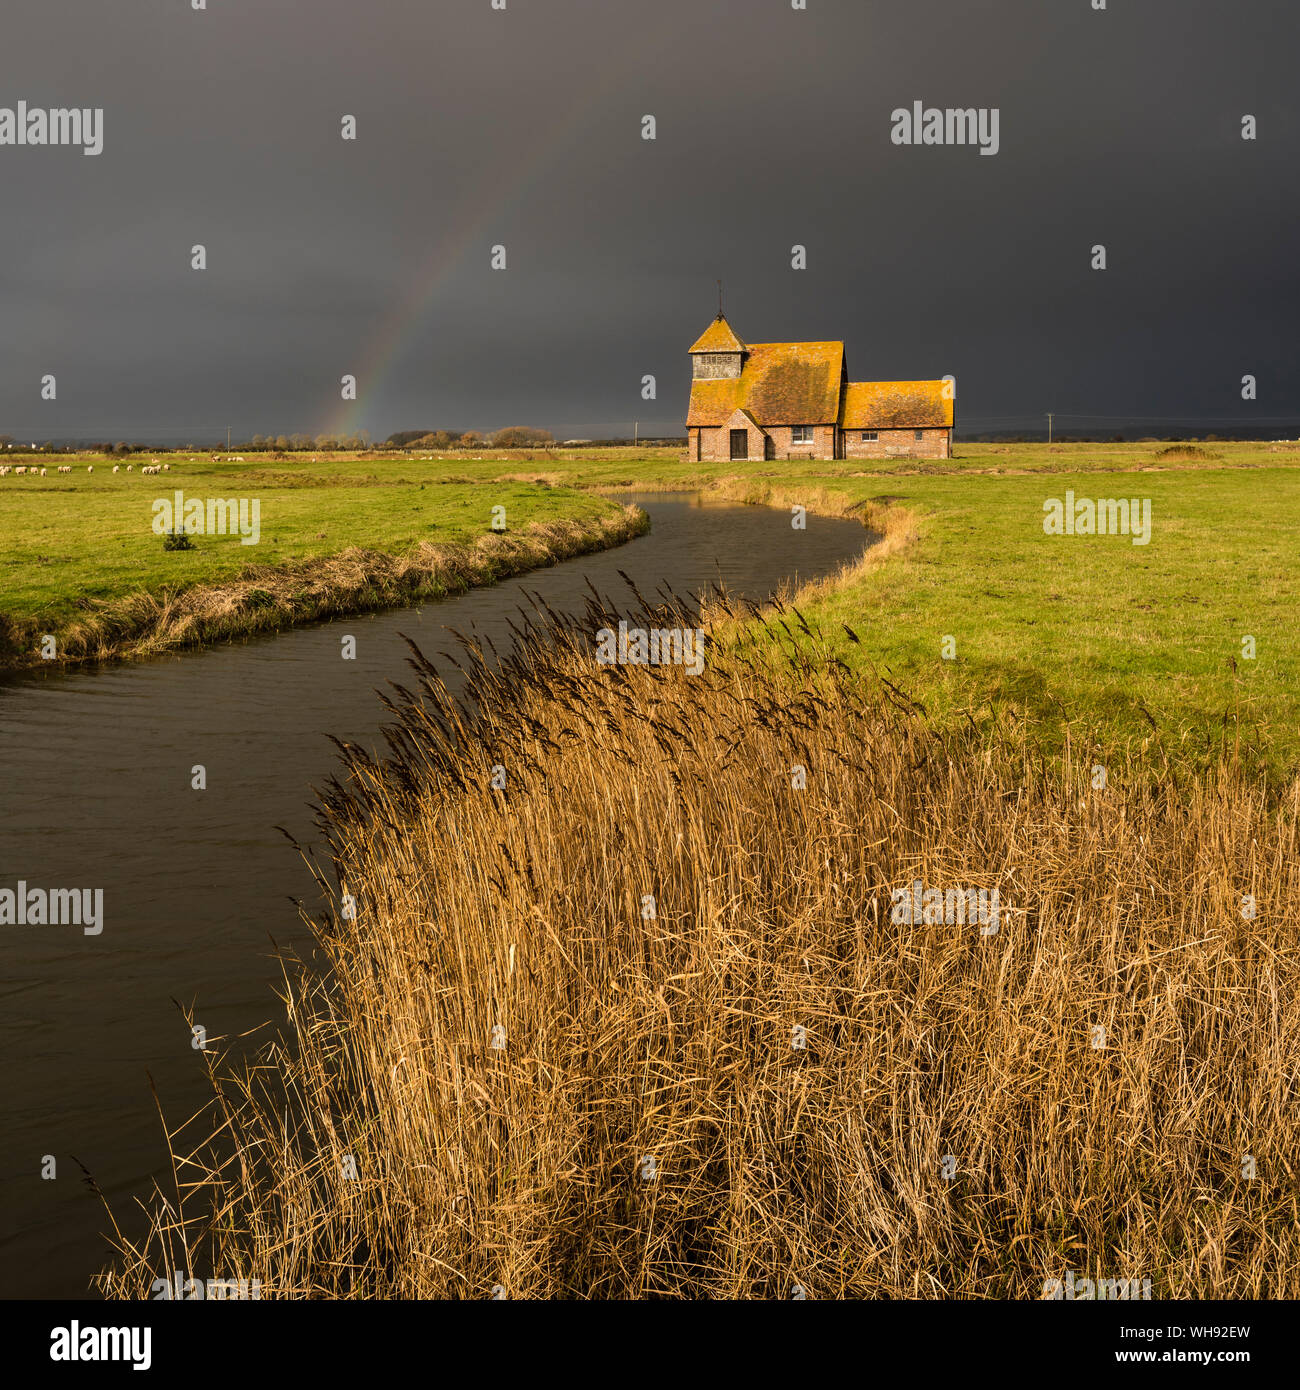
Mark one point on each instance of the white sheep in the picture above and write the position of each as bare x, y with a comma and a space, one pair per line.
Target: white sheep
167, 468
129, 467
20, 470
42, 472
116, 466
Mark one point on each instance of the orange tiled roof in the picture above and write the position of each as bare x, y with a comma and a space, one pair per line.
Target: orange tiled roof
870, 405
718, 337
779, 384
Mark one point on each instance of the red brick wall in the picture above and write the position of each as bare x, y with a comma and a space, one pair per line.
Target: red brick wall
934, 444
822, 447
713, 445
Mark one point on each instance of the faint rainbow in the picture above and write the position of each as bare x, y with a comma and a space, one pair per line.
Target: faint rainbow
404, 319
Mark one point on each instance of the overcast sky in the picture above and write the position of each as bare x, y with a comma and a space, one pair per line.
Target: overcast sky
524, 129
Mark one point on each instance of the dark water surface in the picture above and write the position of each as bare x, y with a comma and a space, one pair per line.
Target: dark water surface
95, 772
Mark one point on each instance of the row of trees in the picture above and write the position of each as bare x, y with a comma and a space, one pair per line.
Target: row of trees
298, 443
513, 437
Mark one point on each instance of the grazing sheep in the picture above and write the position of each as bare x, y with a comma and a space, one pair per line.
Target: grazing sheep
129, 467
42, 472
116, 466
20, 470
167, 468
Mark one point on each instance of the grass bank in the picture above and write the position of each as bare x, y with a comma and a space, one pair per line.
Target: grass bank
645, 1021
82, 562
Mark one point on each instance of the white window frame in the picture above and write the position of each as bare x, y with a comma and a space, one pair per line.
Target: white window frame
807, 430
871, 436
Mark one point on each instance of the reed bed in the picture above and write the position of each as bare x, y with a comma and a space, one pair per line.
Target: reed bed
643, 916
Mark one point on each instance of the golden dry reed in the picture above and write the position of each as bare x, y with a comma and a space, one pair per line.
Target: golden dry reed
644, 918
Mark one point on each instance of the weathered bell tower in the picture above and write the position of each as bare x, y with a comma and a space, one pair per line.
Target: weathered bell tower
717, 352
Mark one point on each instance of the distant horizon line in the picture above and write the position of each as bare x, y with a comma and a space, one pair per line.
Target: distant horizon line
1132, 432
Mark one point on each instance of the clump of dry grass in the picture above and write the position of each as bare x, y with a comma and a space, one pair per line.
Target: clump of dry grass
1186, 451
268, 598
649, 909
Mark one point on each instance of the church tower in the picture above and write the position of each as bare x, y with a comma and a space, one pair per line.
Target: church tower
717, 352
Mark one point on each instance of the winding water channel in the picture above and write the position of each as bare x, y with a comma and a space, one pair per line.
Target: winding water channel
95, 791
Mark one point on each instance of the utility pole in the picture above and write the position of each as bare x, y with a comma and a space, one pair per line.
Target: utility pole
227, 439
636, 432
1049, 426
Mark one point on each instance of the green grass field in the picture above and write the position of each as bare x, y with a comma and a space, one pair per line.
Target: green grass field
1093, 628
64, 538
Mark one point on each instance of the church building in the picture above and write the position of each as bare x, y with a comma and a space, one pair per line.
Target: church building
795, 401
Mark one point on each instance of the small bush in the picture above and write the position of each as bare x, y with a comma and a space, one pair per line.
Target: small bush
178, 540
1186, 451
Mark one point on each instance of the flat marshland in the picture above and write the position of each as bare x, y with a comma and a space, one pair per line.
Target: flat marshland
616, 999
83, 564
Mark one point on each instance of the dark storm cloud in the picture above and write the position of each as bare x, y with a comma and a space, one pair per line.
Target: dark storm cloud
477, 127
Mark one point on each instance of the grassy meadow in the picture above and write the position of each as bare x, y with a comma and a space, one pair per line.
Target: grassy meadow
81, 561
1094, 635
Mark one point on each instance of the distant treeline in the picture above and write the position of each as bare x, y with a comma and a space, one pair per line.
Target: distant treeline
513, 437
